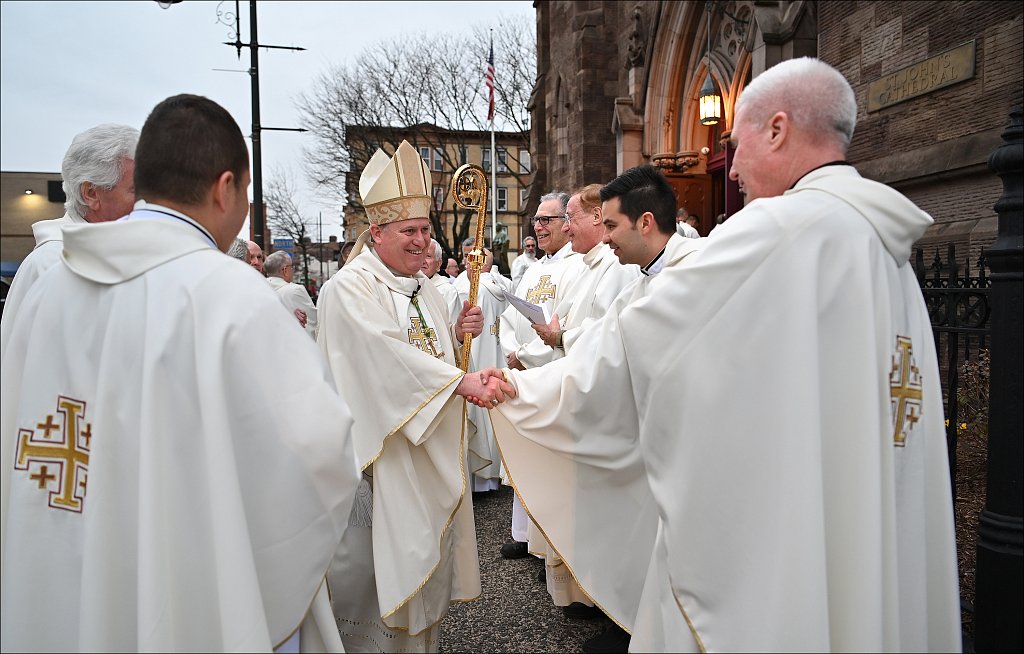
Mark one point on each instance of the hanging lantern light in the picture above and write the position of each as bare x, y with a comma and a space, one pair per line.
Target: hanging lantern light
710, 102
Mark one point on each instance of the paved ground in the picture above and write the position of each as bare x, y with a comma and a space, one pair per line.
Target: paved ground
514, 612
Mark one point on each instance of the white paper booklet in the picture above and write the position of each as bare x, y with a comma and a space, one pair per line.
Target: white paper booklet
535, 313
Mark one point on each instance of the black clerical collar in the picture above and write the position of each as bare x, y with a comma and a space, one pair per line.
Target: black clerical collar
840, 162
647, 270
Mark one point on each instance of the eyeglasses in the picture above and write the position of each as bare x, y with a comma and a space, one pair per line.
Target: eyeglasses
546, 220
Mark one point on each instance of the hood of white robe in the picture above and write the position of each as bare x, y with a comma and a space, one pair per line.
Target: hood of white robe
115, 252
897, 220
49, 230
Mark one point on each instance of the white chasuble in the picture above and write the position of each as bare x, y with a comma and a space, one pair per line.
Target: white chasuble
446, 288
485, 460
598, 285
570, 444
416, 549
550, 280
294, 296
49, 243
802, 482
161, 491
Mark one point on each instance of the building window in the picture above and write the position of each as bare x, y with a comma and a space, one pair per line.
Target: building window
438, 160
502, 198
425, 156
524, 194
463, 155
524, 162
485, 159
502, 160
438, 197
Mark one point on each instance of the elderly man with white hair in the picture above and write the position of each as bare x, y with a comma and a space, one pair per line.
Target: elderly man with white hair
432, 259
98, 171
280, 273
802, 482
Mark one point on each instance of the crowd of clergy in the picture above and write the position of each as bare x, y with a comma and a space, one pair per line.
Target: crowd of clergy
724, 443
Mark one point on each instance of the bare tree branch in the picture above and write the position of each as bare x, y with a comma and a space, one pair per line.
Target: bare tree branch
429, 87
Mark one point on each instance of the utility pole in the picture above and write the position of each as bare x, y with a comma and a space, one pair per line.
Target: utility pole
254, 45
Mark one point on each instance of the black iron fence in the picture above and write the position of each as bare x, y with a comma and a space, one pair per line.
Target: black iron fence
958, 305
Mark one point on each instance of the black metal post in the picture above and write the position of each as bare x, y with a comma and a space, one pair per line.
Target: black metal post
999, 575
257, 156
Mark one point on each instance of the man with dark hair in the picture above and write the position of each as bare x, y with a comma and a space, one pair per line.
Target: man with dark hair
805, 477
161, 491
576, 523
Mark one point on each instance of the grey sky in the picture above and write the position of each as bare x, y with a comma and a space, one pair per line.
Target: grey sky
67, 66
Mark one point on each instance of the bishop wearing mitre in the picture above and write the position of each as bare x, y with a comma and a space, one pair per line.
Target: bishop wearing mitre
385, 330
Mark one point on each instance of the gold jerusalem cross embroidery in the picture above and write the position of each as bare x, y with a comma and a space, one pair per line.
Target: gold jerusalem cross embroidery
422, 336
542, 292
68, 452
905, 391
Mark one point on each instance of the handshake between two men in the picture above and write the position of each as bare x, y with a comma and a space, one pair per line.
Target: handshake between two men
486, 387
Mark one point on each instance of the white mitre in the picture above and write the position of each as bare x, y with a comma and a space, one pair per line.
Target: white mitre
395, 188
392, 189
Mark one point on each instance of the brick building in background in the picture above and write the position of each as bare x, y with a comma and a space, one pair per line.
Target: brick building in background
618, 85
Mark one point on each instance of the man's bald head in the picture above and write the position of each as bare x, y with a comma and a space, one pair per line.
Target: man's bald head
816, 96
792, 118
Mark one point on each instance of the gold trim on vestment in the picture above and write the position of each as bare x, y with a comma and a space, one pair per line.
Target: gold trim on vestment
693, 630
465, 416
444, 531
397, 209
427, 401
512, 483
323, 582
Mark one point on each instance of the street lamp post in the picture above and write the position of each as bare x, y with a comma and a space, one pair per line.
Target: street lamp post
257, 156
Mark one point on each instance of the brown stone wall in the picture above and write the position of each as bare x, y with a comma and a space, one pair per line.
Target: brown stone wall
586, 42
933, 147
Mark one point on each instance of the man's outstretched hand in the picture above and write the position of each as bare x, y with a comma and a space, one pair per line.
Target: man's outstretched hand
485, 388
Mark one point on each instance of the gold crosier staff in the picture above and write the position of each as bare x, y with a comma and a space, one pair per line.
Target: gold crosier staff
469, 188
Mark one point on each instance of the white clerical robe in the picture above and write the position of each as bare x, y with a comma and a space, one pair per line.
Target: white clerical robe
446, 287
294, 296
519, 266
551, 279
579, 471
216, 497
413, 550
49, 243
791, 425
598, 285
485, 352
686, 230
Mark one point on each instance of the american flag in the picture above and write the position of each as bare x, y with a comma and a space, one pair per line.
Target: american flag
489, 77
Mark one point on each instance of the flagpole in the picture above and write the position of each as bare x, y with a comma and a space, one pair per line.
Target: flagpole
494, 185
494, 164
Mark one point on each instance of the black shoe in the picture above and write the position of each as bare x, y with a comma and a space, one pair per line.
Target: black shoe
612, 641
514, 549
542, 576
581, 611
